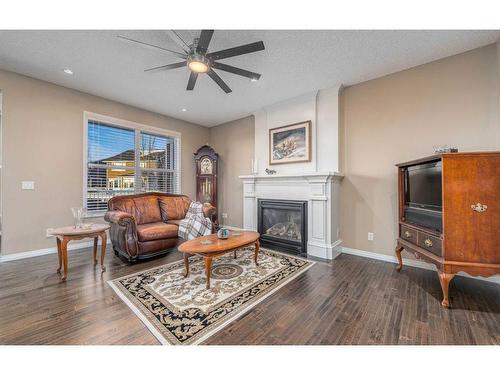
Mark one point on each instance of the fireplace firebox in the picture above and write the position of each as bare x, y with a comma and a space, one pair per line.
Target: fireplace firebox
282, 225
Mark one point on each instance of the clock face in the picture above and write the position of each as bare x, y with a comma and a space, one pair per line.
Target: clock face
206, 166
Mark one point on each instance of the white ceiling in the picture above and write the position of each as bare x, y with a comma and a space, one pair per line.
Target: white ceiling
293, 63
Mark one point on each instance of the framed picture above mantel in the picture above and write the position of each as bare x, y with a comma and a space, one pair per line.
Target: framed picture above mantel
290, 143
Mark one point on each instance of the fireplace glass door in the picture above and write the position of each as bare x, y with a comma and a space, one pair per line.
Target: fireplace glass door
282, 225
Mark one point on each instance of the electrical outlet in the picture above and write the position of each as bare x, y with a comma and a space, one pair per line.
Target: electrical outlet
370, 236
28, 185
224, 215
49, 232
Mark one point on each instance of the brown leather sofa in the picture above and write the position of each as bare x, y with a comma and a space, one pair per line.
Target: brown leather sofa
146, 225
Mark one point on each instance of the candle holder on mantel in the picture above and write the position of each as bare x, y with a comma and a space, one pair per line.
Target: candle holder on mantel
206, 160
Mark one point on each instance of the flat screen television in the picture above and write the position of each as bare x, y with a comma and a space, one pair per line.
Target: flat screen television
423, 195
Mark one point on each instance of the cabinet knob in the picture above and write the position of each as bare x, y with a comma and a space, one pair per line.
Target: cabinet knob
407, 234
428, 242
478, 207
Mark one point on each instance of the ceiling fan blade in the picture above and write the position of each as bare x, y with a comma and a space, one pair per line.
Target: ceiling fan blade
166, 67
192, 80
234, 70
219, 81
204, 41
176, 38
236, 51
182, 55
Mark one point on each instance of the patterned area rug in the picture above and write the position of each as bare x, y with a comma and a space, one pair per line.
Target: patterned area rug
181, 311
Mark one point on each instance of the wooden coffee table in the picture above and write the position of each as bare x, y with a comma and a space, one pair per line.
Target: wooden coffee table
211, 246
66, 234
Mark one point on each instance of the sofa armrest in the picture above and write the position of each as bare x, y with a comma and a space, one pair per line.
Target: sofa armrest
123, 233
119, 217
209, 210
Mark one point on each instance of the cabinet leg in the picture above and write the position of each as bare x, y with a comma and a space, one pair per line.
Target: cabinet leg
444, 279
398, 251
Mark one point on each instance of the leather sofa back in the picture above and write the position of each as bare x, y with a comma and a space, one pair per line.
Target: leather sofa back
146, 207
173, 208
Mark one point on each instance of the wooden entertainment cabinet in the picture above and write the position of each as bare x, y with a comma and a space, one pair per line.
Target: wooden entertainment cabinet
470, 237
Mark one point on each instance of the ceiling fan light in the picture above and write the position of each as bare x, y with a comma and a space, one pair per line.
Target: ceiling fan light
198, 64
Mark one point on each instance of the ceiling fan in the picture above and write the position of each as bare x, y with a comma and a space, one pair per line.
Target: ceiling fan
199, 61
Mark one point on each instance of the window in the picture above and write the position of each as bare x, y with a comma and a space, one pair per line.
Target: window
125, 158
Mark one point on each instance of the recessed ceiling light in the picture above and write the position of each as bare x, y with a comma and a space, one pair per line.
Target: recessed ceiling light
253, 79
183, 109
68, 71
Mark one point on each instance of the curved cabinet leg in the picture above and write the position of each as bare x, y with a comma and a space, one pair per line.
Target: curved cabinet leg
398, 251
444, 279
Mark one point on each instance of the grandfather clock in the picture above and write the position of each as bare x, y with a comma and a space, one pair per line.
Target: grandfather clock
206, 176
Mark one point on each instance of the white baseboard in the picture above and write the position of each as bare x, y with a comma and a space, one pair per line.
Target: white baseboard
324, 251
409, 262
49, 250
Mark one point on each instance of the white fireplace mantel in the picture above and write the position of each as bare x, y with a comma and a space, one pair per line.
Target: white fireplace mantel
321, 192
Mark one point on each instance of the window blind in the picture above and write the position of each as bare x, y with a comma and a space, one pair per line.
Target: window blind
127, 161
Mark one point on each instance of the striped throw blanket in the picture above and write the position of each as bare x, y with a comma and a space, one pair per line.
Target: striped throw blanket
195, 224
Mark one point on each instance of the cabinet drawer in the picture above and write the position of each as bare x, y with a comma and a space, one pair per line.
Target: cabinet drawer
408, 234
430, 243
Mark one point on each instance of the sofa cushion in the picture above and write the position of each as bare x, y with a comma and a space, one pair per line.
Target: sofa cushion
175, 222
156, 231
147, 210
144, 209
173, 208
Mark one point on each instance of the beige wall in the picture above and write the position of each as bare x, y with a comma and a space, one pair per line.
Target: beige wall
43, 142
400, 117
234, 141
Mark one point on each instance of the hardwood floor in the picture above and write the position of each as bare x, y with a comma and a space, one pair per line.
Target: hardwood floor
351, 300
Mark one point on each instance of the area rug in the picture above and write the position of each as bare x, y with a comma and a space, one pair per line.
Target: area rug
181, 311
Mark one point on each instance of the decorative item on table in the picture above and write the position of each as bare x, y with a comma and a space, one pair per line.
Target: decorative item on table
442, 149
270, 171
223, 233
78, 216
290, 143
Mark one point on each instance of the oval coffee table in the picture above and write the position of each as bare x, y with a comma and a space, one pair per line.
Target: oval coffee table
66, 234
211, 246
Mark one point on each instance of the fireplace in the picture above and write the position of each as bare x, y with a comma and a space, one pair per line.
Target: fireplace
282, 225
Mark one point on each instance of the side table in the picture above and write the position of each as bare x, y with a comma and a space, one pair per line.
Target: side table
66, 234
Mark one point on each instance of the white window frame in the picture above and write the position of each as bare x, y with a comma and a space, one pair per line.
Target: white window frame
130, 125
